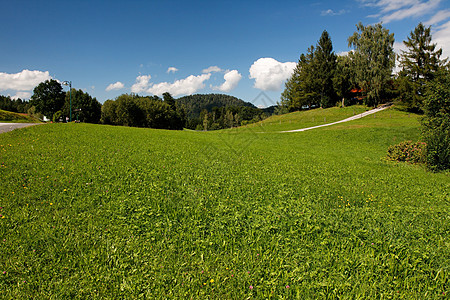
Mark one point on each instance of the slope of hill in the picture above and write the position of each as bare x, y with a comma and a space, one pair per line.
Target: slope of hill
7, 116
307, 118
97, 211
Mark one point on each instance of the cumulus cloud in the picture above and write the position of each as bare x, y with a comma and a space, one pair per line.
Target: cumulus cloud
186, 86
232, 79
269, 74
331, 12
172, 69
22, 95
212, 69
25, 80
141, 84
115, 86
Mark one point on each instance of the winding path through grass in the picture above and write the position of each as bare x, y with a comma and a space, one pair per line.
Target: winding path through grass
375, 110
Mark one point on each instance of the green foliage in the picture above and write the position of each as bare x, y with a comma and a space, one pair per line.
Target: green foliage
14, 105
325, 61
218, 111
373, 60
98, 212
312, 80
48, 98
195, 104
437, 122
408, 151
343, 80
137, 111
90, 108
419, 63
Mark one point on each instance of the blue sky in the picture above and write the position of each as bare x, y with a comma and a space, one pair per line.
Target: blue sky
240, 48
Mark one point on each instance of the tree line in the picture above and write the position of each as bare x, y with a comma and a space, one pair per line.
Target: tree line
322, 78
199, 112
14, 105
219, 111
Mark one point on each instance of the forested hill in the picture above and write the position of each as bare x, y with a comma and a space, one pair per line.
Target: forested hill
195, 104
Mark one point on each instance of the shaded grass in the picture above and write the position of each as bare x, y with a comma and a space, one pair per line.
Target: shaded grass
112, 212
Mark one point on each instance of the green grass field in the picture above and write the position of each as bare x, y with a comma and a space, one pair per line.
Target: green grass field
97, 212
12, 117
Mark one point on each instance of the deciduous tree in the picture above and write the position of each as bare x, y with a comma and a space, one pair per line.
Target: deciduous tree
48, 97
373, 59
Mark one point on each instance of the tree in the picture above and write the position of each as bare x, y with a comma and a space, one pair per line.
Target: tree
343, 78
108, 115
90, 108
419, 64
301, 88
169, 100
48, 98
312, 80
325, 66
373, 59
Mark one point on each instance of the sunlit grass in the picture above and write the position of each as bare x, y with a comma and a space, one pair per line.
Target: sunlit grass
12, 117
93, 211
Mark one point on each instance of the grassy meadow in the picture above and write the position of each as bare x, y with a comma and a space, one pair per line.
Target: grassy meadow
98, 212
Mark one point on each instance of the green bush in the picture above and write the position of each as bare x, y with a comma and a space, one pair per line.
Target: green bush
407, 151
437, 154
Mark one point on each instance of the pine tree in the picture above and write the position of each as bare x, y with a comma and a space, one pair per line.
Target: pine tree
312, 80
325, 66
419, 63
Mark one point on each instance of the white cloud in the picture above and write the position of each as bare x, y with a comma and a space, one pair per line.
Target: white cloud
232, 79
331, 12
172, 69
212, 69
115, 86
344, 53
438, 17
25, 80
187, 86
395, 10
269, 74
442, 38
22, 95
141, 84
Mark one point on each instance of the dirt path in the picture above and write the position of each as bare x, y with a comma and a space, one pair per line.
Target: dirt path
359, 116
5, 127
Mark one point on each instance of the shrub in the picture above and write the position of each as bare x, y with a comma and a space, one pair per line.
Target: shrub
407, 151
437, 154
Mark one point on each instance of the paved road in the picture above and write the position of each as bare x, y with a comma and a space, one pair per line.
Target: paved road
369, 112
5, 127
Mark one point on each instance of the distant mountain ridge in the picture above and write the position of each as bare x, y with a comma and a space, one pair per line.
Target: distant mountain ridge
195, 104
